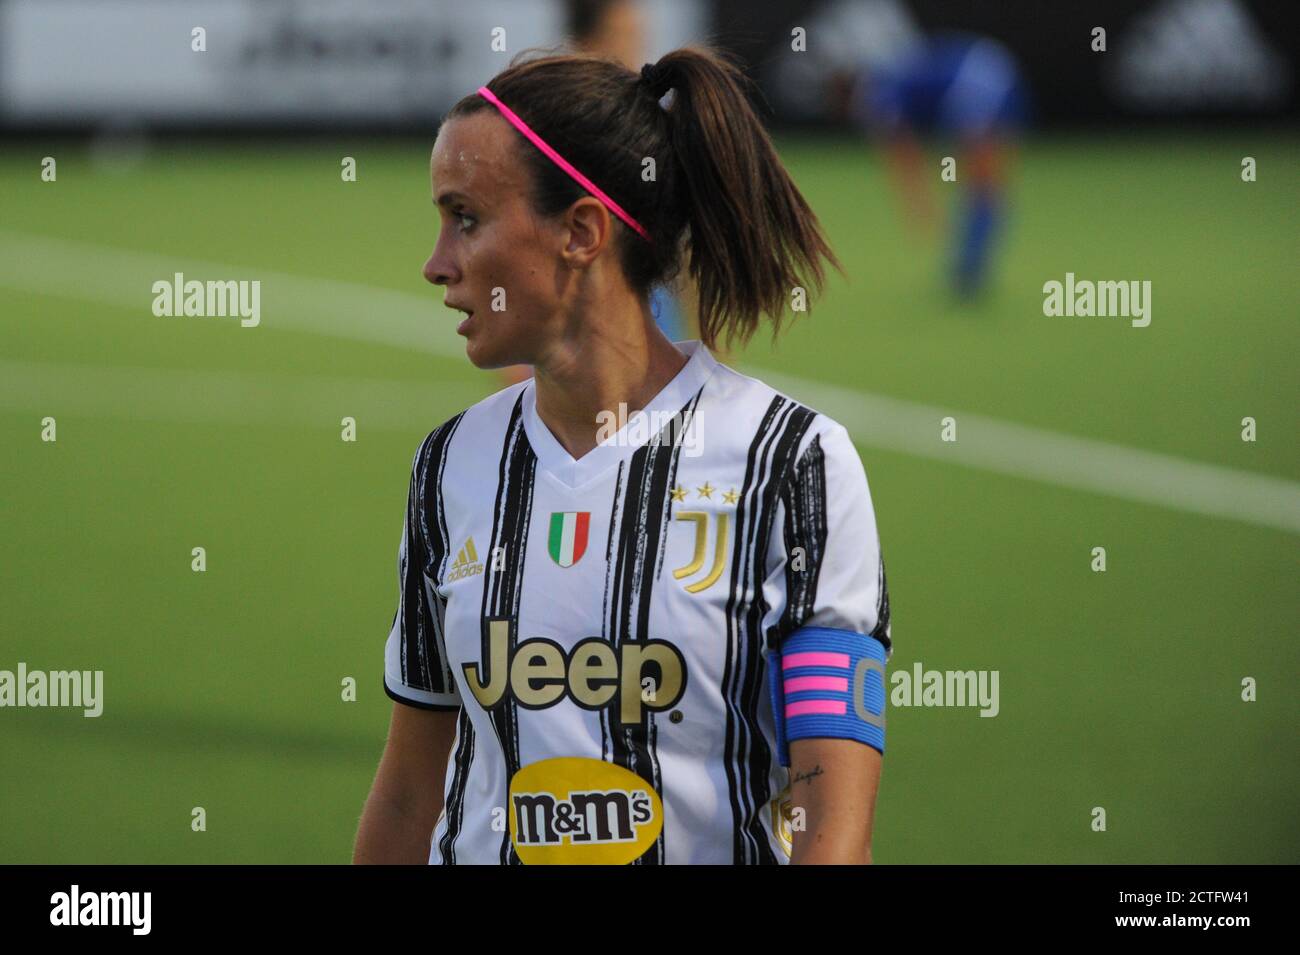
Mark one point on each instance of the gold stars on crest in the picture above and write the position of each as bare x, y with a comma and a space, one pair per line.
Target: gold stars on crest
704, 492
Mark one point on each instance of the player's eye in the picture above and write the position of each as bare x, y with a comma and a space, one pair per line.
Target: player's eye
463, 218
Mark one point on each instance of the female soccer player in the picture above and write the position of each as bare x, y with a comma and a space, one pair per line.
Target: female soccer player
656, 635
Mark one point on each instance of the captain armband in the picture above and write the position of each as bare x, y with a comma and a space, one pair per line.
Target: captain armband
827, 683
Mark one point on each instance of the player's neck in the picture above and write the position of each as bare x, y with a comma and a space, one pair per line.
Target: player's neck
598, 371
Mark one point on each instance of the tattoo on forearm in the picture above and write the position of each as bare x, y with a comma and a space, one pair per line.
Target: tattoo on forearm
808, 776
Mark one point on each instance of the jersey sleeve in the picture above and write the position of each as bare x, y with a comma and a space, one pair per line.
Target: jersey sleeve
827, 631
416, 669
831, 572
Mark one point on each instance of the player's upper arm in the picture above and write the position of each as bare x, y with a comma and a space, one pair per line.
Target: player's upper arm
416, 669
412, 770
828, 639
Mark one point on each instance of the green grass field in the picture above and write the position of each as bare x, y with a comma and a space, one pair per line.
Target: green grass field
222, 689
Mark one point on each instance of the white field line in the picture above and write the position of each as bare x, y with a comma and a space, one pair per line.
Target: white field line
95, 273
66, 268
1051, 457
169, 394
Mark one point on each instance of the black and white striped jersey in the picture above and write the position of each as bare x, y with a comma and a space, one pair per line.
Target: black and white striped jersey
601, 625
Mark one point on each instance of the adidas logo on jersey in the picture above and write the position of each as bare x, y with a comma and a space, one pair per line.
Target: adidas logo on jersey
466, 563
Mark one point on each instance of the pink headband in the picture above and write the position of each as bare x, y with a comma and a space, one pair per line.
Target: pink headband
560, 161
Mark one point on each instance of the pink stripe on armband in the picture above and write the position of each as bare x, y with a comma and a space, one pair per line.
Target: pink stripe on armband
835, 684
815, 659
804, 707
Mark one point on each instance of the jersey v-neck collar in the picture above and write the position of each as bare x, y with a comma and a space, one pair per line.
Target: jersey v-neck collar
555, 460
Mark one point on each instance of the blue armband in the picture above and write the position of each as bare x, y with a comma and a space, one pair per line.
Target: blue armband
827, 683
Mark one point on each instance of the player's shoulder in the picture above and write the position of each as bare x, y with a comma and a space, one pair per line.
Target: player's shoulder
475, 428
767, 413
492, 415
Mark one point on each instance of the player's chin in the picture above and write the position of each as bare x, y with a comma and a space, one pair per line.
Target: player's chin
483, 352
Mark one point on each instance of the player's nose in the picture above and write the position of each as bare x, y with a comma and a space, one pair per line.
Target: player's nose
439, 269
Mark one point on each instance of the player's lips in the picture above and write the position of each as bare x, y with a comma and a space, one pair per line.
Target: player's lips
469, 314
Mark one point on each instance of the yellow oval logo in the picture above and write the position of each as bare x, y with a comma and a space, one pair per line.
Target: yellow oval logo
783, 819
576, 811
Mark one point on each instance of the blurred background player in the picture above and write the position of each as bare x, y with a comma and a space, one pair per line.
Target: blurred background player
957, 86
616, 29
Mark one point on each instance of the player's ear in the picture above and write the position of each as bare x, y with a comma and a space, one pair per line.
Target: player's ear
589, 226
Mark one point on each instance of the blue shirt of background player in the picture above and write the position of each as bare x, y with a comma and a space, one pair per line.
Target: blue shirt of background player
966, 85
667, 313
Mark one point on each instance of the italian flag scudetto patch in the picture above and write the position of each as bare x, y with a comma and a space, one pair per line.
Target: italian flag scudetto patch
568, 538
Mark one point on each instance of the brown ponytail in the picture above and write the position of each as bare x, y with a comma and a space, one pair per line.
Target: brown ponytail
718, 186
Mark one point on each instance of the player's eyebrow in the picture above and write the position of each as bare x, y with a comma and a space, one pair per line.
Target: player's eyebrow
449, 198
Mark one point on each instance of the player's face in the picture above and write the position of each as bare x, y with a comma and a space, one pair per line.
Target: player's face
498, 262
